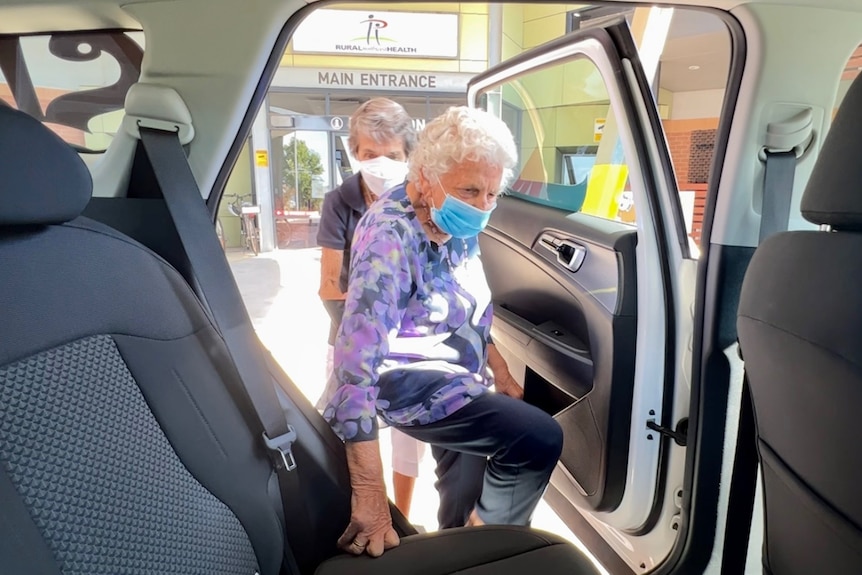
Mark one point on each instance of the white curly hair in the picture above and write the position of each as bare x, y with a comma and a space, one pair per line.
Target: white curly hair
463, 134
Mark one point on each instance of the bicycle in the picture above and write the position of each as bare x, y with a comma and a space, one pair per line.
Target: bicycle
247, 213
283, 229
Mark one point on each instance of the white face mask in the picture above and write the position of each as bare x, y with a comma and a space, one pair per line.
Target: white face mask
382, 174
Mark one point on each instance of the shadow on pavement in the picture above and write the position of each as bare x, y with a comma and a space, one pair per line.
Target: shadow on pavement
259, 281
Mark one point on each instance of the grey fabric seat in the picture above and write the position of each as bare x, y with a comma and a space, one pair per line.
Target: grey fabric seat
122, 446
126, 444
800, 332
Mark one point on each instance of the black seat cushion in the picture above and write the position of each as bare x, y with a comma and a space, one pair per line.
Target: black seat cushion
800, 328
489, 550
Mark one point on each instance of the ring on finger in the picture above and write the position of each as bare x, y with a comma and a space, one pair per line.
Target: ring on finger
357, 544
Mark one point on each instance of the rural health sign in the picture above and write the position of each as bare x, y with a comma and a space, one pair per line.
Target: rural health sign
378, 33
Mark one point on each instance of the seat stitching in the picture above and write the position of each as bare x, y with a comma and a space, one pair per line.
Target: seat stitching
468, 569
200, 413
803, 339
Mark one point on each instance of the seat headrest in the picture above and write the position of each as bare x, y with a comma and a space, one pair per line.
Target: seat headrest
42, 179
833, 195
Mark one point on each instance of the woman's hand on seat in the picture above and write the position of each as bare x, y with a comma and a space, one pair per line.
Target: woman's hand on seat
370, 529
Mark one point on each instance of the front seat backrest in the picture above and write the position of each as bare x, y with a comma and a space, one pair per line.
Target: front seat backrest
122, 446
800, 332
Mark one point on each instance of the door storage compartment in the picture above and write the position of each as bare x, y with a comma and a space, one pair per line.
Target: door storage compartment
544, 395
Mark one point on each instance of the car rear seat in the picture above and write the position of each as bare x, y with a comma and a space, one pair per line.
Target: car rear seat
125, 441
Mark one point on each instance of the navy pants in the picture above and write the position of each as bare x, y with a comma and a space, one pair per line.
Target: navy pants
495, 454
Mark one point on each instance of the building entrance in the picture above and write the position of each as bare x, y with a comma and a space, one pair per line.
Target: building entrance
309, 132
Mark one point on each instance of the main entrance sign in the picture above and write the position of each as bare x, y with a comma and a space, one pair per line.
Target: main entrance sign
396, 80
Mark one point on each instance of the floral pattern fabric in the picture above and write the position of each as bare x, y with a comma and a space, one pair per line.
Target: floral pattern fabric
412, 346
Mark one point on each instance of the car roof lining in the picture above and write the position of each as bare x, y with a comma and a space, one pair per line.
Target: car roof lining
33, 16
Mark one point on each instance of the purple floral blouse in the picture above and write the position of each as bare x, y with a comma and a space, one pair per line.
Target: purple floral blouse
412, 346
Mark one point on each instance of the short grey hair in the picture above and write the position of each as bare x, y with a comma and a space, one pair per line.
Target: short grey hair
464, 134
382, 120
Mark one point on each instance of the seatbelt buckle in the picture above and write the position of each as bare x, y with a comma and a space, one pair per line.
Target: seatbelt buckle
283, 446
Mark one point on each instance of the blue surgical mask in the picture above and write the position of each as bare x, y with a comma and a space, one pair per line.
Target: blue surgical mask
458, 218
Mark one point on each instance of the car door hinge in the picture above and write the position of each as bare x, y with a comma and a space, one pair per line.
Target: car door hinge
679, 435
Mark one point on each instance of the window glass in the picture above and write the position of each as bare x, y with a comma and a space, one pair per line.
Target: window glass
851, 70
691, 61
690, 84
569, 154
76, 83
566, 132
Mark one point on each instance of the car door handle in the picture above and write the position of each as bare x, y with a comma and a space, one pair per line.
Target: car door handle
569, 254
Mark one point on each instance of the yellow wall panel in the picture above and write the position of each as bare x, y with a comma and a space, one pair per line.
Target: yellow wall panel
575, 125
539, 128
550, 155
237, 183
549, 123
513, 23
543, 30
582, 83
665, 96
474, 37
539, 11
541, 89
512, 96
509, 48
473, 8
530, 135
473, 66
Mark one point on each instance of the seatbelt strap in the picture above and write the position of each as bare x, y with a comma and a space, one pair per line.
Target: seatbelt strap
777, 192
213, 276
210, 268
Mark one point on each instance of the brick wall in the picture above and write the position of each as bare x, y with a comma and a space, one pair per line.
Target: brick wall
691, 143
46, 96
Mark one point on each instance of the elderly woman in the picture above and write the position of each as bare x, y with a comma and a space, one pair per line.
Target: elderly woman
414, 344
381, 138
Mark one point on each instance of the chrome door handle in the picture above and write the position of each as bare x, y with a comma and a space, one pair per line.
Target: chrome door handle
569, 254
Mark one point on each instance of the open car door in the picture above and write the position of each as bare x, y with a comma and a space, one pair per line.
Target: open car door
593, 284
